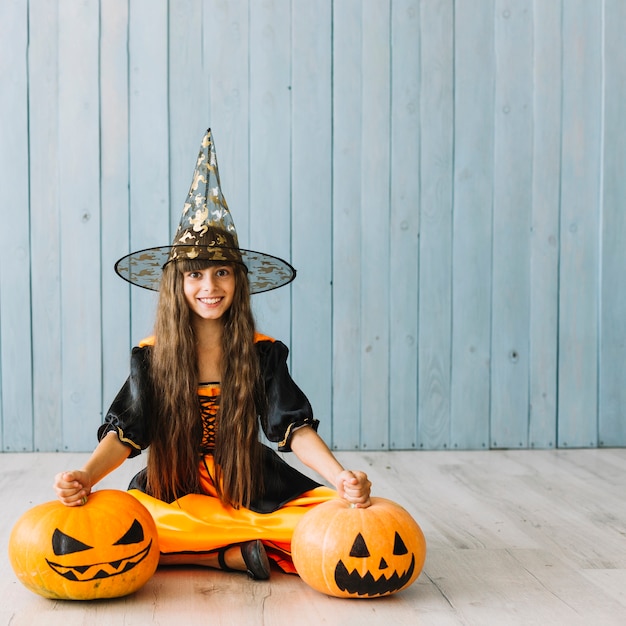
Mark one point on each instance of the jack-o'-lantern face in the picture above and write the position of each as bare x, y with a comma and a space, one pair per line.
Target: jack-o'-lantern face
119, 555
105, 549
358, 553
385, 573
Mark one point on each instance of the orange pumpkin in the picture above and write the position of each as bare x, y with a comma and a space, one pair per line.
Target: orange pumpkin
104, 549
351, 552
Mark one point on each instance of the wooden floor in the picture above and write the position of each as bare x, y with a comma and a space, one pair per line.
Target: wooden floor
514, 537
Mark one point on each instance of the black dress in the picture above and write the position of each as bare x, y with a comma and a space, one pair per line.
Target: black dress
287, 409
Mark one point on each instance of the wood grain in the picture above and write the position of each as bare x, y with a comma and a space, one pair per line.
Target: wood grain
579, 260
446, 177
514, 538
436, 191
472, 225
16, 407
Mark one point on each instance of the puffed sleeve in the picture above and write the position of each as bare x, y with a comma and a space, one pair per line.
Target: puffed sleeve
287, 406
129, 414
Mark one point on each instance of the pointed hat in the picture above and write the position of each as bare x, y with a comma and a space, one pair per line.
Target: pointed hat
207, 232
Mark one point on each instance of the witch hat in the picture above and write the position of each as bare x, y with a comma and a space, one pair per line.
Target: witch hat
206, 231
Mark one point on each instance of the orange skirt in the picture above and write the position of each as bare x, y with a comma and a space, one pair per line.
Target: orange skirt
201, 524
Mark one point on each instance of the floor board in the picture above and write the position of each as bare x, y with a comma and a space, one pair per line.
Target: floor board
514, 537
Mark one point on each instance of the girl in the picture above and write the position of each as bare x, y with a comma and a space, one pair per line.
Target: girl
197, 395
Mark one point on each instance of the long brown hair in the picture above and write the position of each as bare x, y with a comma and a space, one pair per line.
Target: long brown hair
173, 459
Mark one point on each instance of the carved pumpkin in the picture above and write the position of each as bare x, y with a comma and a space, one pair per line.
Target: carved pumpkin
351, 552
104, 549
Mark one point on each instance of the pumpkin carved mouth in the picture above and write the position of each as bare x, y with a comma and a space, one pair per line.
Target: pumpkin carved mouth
367, 585
84, 573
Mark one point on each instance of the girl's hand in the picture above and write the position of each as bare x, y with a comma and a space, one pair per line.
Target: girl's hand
354, 487
73, 487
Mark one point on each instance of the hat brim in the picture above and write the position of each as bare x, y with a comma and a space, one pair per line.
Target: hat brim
265, 272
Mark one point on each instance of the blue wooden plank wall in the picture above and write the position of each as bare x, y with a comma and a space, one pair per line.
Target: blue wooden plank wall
446, 175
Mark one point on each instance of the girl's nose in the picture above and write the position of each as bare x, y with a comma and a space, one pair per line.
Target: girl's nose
207, 281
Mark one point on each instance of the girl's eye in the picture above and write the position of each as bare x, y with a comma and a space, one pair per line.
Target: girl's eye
222, 272
194, 275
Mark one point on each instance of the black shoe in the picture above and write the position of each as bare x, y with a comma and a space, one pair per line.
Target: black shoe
255, 558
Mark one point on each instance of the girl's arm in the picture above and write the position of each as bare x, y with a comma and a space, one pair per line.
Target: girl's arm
71, 487
309, 447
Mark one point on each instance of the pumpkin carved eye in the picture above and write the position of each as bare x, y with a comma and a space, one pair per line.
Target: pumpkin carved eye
133, 535
398, 545
64, 544
359, 548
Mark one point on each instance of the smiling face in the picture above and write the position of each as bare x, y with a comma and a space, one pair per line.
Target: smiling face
209, 292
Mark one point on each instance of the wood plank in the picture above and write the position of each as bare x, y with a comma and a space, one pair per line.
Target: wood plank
347, 146
375, 218
188, 115
79, 201
580, 190
610, 581
612, 381
148, 146
472, 233
486, 586
45, 218
512, 196
404, 184
115, 179
311, 236
544, 239
16, 389
435, 229
270, 149
572, 588
227, 59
